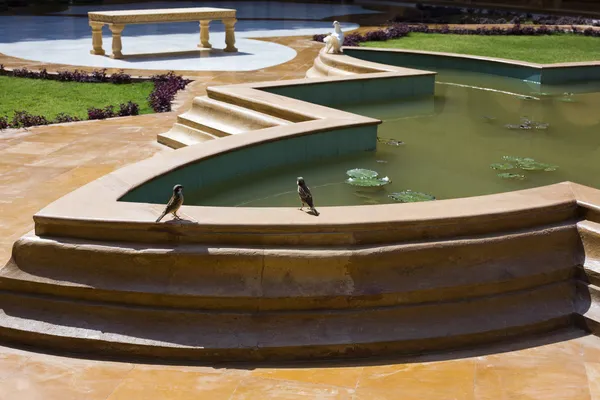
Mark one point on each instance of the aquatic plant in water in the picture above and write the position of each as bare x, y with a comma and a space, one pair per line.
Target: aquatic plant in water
408, 196
524, 163
502, 166
365, 178
390, 142
509, 175
527, 123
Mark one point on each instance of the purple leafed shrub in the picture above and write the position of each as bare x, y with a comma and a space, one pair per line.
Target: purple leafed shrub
3, 123
96, 76
120, 78
396, 31
101, 113
319, 37
166, 87
22, 119
125, 110
377, 36
61, 118
432, 14
128, 109
24, 73
99, 75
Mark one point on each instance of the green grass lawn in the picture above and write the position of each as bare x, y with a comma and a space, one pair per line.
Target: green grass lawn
539, 49
48, 98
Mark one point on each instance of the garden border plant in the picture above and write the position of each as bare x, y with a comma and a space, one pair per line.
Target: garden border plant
166, 87
435, 14
397, 31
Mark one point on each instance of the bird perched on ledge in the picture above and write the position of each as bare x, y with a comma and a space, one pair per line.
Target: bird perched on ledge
305, 195
335, 40
173, 204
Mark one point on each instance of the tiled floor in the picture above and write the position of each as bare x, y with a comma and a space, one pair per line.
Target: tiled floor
563, 366
42, 164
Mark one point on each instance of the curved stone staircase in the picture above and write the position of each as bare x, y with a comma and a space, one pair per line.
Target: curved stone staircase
416, 286
340, 65
209, 119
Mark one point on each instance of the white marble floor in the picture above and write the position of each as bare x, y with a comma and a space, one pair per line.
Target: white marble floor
66, 39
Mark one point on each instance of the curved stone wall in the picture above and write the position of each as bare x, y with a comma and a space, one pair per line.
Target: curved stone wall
99, 277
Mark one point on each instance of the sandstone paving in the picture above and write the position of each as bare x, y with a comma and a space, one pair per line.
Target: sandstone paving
40, 165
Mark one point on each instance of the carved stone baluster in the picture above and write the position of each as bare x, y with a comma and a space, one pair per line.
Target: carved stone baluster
97, 38
230, 34
204, 35
117, 46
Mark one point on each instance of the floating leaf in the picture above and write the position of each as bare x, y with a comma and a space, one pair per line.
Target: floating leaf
508, 175
381, 161
537, 166
488, 118
360, 173
502, 166
390, 142
567, 100
541, 125
517, 159
527, 98
368, 182
408, 196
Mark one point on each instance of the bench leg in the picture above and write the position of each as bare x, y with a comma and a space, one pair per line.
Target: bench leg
204, 35
97, 38
230, 34
117, 46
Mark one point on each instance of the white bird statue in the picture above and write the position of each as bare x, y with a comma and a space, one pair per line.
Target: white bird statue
335, 40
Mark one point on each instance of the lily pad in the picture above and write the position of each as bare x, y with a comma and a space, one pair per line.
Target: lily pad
537, 166
368, 182
508, 175
517, 160
408, 196
502, 166
361, 173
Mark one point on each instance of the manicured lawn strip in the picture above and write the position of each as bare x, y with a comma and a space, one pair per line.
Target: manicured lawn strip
539, 49
48, 97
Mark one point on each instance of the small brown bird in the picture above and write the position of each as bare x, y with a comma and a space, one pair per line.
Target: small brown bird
305, 195
173, 204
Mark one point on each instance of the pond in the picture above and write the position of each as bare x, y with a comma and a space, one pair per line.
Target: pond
479, 134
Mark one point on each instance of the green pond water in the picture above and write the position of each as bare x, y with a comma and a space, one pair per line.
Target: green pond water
444, 146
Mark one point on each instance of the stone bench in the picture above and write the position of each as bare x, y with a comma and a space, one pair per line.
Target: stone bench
116, 21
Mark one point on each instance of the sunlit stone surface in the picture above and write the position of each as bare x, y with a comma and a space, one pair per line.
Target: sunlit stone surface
68, 39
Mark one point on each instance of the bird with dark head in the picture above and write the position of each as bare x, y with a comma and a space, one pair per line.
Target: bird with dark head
305, 195
173, 204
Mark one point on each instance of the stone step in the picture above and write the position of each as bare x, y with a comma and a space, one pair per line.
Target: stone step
223, 119
181, 136
104, 329
589, 232
199, 276
587, 307
332, 70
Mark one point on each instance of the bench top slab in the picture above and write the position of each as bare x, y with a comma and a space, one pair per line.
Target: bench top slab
160, 15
